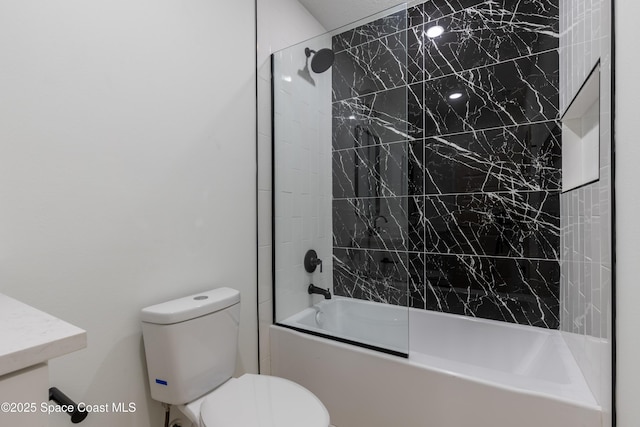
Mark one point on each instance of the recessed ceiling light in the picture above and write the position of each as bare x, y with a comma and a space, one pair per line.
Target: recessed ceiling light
435, 31
286, 78
455, 95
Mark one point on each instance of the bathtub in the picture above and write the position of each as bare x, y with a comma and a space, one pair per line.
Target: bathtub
369, 323
460, 371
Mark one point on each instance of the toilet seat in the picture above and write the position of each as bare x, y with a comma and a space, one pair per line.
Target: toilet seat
262, 400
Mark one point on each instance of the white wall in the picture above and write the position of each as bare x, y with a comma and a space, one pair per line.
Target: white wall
627, 153
281, 23
127, 174
586, 262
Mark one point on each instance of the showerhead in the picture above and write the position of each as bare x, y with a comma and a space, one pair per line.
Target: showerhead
322, 60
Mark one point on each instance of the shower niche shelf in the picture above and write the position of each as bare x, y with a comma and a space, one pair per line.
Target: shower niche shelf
581, 136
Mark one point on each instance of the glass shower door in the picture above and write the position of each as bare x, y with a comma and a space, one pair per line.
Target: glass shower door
345, 217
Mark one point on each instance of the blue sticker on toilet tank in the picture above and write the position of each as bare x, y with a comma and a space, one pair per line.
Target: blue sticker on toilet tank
161, 382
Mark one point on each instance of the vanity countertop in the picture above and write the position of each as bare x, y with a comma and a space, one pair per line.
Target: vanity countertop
29, 336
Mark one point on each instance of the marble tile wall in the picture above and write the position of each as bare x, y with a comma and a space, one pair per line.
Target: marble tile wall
450, 204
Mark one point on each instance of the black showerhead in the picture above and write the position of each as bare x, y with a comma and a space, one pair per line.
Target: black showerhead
322, 60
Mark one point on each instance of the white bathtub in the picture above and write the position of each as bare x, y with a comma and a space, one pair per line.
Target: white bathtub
460, 371
370, 323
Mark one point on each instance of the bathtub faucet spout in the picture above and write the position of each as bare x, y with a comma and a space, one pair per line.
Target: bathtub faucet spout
312, 289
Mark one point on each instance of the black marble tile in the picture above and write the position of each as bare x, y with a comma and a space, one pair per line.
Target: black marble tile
535, 11
416, 224
476, 37
374, 171
373, 119
371, 67
415, 54
507, 289
371, 223
378, 276
374, 30
518, 224
518, 158
417, 287
390, 223
430, 10
506, 94
524, 310
450, 205
415, 111
416, 168
415, 15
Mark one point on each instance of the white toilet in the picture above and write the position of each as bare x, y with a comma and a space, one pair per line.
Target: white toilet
191, 346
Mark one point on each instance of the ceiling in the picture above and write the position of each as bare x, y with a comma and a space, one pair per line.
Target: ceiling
333, 14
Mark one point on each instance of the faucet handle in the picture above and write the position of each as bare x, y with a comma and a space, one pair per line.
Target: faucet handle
311, 261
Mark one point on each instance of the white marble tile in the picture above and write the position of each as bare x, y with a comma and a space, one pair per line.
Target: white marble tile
298, 235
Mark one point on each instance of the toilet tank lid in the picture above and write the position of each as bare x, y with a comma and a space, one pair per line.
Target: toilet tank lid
190, 307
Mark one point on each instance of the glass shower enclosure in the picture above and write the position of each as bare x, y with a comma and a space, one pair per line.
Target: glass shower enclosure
342, 205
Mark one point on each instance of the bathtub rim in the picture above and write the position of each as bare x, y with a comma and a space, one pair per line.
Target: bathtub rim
341, 340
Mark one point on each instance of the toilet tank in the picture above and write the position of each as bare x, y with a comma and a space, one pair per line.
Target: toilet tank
191, 344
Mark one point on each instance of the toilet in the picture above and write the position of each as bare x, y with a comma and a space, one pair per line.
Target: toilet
191, 347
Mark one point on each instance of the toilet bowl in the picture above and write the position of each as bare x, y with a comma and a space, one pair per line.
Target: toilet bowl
191, 348
258, 400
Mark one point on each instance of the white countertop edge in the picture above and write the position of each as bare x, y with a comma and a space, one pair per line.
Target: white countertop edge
29, 336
